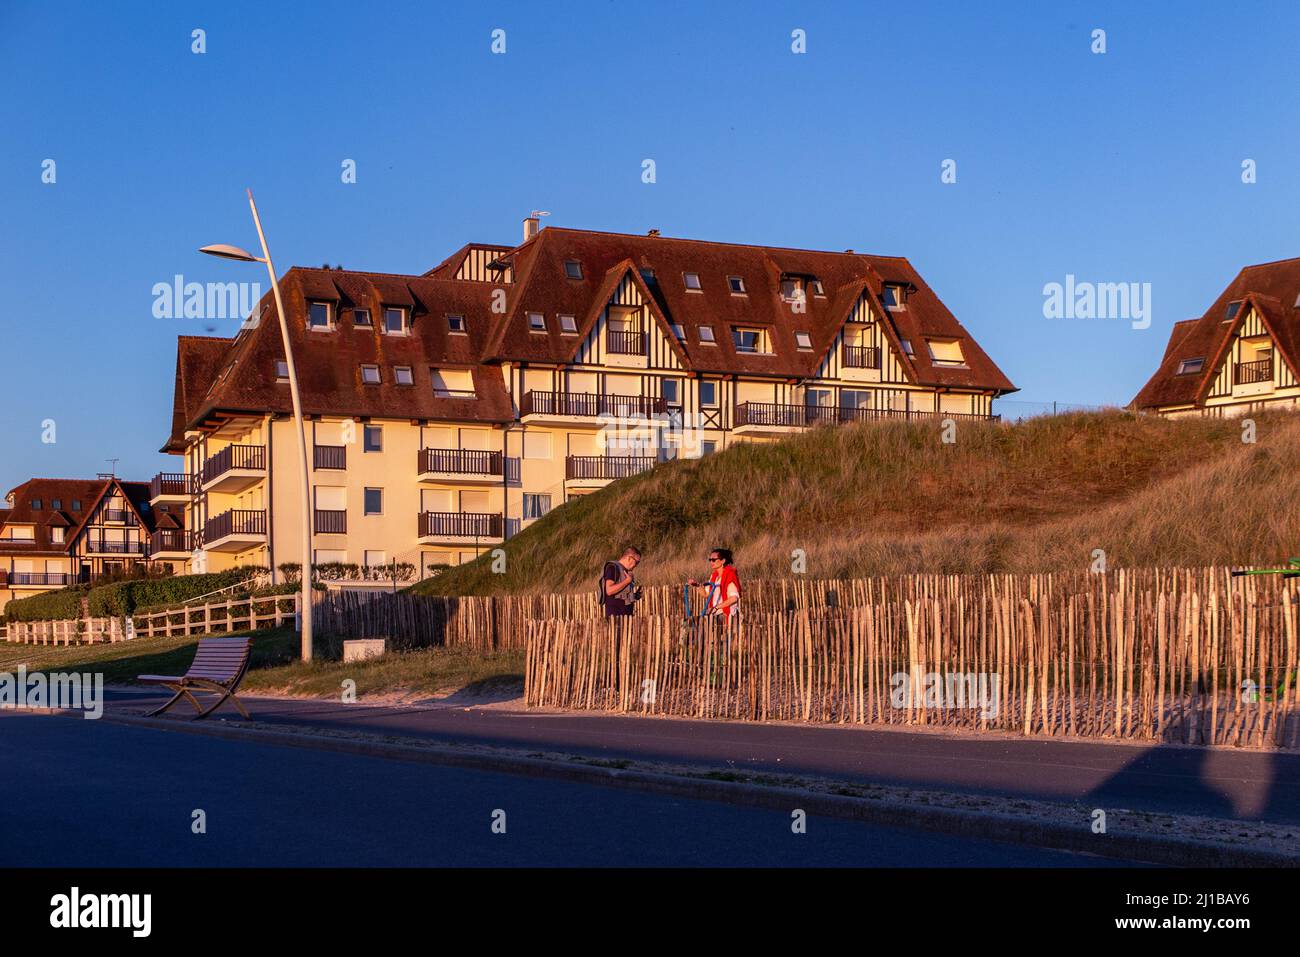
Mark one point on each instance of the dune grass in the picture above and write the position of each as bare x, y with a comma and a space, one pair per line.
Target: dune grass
892, 498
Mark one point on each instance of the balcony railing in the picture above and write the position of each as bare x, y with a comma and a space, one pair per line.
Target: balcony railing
331, 456
588, 404
460, 525
171, 483
600, 467
40, 578
237, 521
460, 461
249, 457
801, 416
115, 548
171, 540
331, 522
1261, 370
119, 515
625, 343
862, 357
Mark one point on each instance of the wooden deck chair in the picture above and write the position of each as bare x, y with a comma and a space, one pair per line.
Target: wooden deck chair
219, 666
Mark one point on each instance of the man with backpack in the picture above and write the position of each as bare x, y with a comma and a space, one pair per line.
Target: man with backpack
619, 591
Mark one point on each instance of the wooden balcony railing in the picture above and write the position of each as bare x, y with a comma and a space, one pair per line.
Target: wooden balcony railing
331, 522
460, 461
606, 466
115, 548
246, 457
40, 578
171, 483
330, 456
861, 357
123, 515
589, 404
625, 343
1261, 370
237, 521
460, 525
171, 540
801, 416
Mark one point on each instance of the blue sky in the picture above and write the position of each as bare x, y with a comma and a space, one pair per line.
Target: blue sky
1115, 167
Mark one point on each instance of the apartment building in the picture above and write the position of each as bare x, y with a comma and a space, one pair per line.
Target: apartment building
1240, 357
59, 532
449, 410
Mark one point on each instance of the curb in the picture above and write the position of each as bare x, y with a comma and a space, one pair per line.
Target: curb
1154, 849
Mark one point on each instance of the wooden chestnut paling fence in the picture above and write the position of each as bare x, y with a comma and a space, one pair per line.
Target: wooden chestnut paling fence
1187, 656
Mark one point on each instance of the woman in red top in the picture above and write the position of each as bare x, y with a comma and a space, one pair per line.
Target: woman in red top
723, 597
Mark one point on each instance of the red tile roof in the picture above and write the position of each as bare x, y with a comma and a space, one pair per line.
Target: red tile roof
1272, 288
88, 493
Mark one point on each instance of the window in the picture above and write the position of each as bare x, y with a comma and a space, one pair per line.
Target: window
537, 445
456, 323
893, 296
374, 559
56, 504
750, 340
648, 275
370, 375
1232, 310
535, 506
361, 317
328, 556
402, 375
281, 370
692, 280
572, 269
318, 315
820, 398
536, 322
803, 340
737, 285
706, 335
36, 504
708, 394
452, 383
671, 390
946, 352
21, 533
907, 346
708, 447
569, 325
373, 438
1191, 366
76, 505
374, 501
395, 322
818, 288
56, 535
678, 330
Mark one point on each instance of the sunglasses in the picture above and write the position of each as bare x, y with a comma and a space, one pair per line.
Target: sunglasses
715, 558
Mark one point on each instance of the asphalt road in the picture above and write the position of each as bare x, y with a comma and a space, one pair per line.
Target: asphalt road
1247, 785
92, 793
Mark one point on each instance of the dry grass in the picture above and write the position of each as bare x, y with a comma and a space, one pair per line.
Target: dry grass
891, 498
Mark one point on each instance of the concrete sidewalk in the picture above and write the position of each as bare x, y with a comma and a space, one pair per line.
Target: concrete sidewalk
1243, 785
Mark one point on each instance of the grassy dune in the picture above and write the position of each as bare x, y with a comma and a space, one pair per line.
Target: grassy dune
892, 498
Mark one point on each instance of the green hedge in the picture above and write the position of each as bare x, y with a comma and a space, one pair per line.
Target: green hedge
49, 606
123, 597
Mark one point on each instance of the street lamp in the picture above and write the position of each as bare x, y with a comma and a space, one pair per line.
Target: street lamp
223, 251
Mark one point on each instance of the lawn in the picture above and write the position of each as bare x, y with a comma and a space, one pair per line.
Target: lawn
426, 672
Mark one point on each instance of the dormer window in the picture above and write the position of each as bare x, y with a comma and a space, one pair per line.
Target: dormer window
320, 316
946, 352
36, 505
370, 375
818, 289
56, 535
56, 504
907, 346
395, 322
402, 375
361, 317
281, 370
706, 335
456, 324
737, 285
804, 341
792, 290
569, 325
894, 297
76, 505
750, 340
692, 281
572, 269
1191, 366
452, 383
536, 322
1232, 310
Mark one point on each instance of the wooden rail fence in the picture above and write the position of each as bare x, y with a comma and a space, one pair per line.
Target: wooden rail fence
234, 614
65, 632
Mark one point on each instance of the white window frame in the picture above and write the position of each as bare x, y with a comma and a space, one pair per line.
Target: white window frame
397, 375
708, 340
405, 314
379, 376
737, 281
532, 327
451, 325
568, 325
329, 316
686, 281
803, 340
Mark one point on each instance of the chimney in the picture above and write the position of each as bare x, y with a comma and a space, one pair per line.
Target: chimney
653, 232
531, 225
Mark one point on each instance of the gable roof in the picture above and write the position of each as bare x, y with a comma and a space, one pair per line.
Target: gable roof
542, 286
86, 492
1271, 289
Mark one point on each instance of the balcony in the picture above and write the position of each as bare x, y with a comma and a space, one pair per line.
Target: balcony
330, 522
171, 487
1250, 373
860, 357
171, 543
586, 408
40, 579
234, 469
119, 516
623, 343
460, 466
235, 531
115, 548
330, 457
755, 418
463, 527
594, 471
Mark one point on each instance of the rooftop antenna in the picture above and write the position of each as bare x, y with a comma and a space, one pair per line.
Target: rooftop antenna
112, 473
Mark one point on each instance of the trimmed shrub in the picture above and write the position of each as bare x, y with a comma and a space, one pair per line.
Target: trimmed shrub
50, 606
